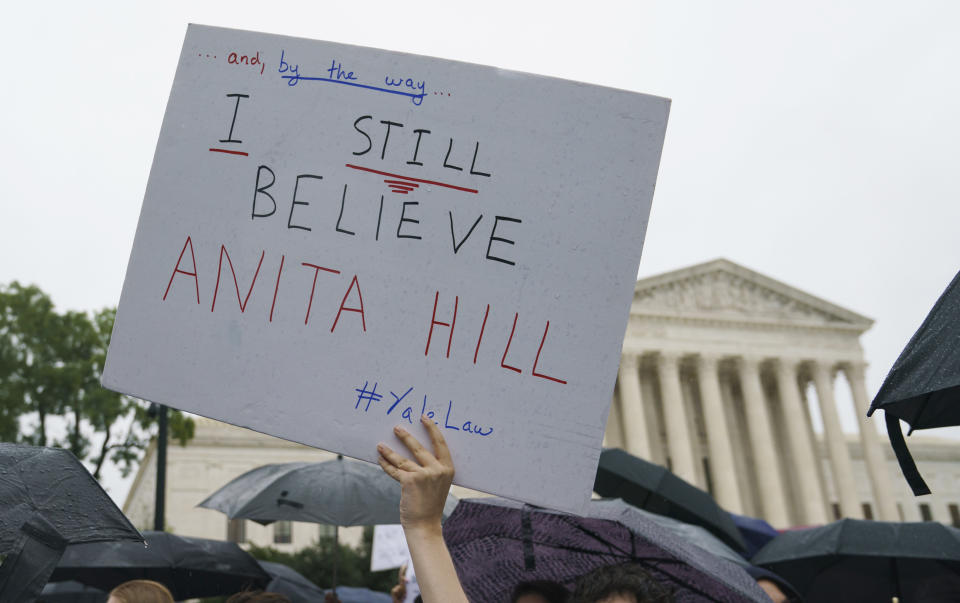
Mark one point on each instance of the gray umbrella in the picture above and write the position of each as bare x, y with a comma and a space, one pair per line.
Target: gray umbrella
48, 500
337, 492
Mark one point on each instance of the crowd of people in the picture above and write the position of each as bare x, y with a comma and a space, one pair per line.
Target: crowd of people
425, 480
425, 475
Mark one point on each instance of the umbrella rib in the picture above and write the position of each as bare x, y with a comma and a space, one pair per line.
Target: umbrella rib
610, 546
615, 550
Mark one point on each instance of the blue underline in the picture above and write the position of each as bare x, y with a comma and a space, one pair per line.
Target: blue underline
368, 87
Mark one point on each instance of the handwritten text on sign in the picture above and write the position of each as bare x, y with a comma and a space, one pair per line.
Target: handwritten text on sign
335, 239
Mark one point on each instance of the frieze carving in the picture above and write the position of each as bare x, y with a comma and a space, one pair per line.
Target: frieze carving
728, 294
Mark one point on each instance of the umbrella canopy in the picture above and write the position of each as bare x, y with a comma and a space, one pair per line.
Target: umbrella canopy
655, 488
756, 532
495, 544
70, 591
634, 518
856, 560
339, 492
51, 483
923, 386
47, 500
288, 581
189, 567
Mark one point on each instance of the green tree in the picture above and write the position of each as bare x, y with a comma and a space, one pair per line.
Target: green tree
50, 366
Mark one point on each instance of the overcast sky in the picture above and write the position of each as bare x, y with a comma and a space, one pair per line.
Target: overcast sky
817, 143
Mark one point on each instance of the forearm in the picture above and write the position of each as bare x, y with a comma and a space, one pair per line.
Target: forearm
436, 574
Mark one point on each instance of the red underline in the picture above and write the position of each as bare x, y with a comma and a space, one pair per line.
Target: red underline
229, 151
459, 188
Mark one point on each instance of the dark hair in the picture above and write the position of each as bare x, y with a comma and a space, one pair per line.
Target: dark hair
553, 592
623, 579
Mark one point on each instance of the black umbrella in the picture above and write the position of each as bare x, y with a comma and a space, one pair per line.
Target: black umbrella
496, 543
296, 587
47, 500
756, 532
288, 581
635, 519
189, 567
655, 488
923, 387
854, 560
70, 591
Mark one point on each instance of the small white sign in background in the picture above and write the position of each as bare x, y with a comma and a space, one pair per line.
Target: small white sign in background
389, 548
336, 239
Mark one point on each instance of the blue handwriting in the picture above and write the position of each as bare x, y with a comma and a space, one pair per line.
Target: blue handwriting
367, 395
338, 74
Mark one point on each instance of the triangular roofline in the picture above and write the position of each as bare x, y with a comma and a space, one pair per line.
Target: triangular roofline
724, 265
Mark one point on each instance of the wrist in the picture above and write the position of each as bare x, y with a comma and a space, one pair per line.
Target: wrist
425, 528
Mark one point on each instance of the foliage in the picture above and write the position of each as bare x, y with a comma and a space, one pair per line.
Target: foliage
316, 563
50, 366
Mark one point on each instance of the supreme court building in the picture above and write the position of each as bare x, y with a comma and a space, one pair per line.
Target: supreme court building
721, 373
726, 377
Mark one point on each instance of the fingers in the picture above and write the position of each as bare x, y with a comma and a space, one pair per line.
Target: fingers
397, 462
423, 456
439, 444
388, 468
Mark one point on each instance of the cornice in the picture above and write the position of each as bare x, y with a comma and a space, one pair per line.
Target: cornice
798, 302
710, 319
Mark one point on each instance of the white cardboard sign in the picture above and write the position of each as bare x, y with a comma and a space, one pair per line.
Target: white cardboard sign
389, 548
336, 239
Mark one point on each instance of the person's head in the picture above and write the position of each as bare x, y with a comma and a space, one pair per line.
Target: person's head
773, 590
257, 596
539, 591
624, 583
140, 591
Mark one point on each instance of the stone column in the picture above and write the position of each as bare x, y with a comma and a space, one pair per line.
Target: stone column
843, 478
631, 409
805, 460
679, 441
718, 436
872, 449
770, 482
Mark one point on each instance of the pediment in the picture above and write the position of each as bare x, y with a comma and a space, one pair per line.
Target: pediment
724, 290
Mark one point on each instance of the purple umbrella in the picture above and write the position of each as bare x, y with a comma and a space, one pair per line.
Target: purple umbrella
496, 544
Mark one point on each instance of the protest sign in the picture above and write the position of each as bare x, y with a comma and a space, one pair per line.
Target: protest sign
337, 239
389, 548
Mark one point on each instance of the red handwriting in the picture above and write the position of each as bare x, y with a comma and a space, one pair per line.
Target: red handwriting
354, 285
434, 323
352, 302
235, 58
